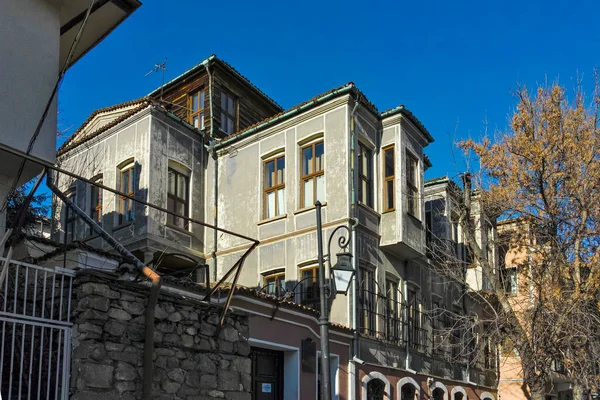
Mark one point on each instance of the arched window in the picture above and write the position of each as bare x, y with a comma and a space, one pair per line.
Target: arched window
375, 389
437, 394
458, 393
459, 396
407, 392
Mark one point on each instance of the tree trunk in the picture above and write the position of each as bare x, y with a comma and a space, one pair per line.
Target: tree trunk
538, 394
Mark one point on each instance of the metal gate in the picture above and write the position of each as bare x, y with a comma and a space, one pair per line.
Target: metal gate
35, 341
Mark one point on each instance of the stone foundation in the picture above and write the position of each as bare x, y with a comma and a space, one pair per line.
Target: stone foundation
194, 357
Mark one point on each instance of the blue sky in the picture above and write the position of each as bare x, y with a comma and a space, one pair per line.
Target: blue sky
454, 64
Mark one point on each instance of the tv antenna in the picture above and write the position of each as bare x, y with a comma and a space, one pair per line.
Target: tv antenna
160, 67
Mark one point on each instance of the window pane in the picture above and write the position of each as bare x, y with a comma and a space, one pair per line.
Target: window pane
360, 192
170, 204
125, 181
269, 171
389, 162
229, 126
390, 194
195, 102
307, 165
201, 99
201, 116
280, 170
319, 156
181, 187
281, 201
195, 121
230, 106
321, 188
270, 205
364, 191
308, 193
223, 122
223, 102
172, 181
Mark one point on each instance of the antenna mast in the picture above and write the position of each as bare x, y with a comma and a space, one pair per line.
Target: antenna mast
162, 67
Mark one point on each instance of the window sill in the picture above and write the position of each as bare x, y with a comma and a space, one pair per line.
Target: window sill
369, 209
307, 209
178, 229
391, 210
415, 219
123, 226
272, 219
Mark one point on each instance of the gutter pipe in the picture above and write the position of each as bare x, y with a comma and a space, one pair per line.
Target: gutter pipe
147, 272
212, 151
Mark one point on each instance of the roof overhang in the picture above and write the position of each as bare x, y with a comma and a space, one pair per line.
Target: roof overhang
105, 16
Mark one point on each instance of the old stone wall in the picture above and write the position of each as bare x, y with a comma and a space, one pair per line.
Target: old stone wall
194, 357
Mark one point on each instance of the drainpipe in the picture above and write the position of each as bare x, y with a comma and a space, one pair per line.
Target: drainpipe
150, 274
213, 152
355, 351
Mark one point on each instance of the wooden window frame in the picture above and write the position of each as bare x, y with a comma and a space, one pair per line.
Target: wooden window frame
365, 176
200, 112
224, 111
275, 188
127, 169
177, 200
311, 176
412, 187
314, 281
96, 202
277, 276
391, 178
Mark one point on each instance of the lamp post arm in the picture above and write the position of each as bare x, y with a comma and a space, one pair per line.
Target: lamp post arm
343, 241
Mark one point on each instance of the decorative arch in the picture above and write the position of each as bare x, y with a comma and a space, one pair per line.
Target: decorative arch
411, 381
376, 375
458, 389
441, 386
487, 395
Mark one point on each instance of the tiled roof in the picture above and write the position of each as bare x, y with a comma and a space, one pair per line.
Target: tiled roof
406, 112
75, 140
198, 67
255, 293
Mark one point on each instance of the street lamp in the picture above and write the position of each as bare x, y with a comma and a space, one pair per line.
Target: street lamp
342, 277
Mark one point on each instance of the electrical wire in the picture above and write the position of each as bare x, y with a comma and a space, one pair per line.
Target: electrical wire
57, 86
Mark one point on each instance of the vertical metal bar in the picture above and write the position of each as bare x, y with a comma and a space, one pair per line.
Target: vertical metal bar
24, 327
66, 364
62, 288
52, 298
16, 288
31, 361
69, 300
3, 328
57, 365
49, 363
12, 359
35, 283
42, 337
25, 288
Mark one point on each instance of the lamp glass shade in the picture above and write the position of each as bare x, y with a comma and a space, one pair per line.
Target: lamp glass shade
343, 272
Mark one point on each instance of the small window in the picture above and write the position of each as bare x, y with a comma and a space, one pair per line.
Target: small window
228, 113
510, 277
312, 174
126, 186
365, 176
96, 202
70, 217
309, 287
274, 283
274, 187
416, 335
412, 185
389, 181
196, 109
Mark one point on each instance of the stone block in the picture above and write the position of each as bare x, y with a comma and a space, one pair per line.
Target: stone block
205, 364
114, 328
165, 327
94, 302
133, 307
125, 386
229, 380
118, 314
187, 341
160, 313
90, 349
87, 327
100, 289
96, 375
177, 375
93, 315
175, 317
125, 372
216, 394
229, 333
111, 346
171, 339
243, 348
225, 346
170, 387
208, 382
238, 396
